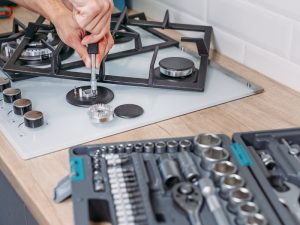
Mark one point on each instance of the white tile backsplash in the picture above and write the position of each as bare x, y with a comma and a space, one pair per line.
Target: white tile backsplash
262, 34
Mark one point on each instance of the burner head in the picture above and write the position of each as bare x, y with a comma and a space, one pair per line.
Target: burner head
104, 96
11, 94
176, 67
4, 83
35, 52
33, 119
129, 111
22, 106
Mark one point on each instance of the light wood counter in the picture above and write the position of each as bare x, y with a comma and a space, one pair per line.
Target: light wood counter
34, 180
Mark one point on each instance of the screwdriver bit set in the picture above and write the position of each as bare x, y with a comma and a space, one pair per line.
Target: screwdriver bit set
207, 179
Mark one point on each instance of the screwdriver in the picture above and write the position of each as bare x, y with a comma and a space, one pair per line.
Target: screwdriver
93, 50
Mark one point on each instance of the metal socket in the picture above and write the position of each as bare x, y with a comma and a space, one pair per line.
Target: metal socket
222, 169
267, 160
169, 170
213, 155
237, 197
172, 146
256, 219
112, 149
160, 147
138, 147
185, 145
121, 148
188, 167
245, 210
229, 183
205, 141
129, 148
149, 147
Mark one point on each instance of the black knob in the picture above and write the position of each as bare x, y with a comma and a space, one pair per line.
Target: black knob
4, 83
33, 119
11, 94
22, 106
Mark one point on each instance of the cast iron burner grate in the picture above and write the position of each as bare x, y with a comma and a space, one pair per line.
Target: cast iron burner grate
123, 31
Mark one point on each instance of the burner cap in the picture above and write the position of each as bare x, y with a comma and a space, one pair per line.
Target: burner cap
176, 67
11, 94
4, 83
22, 106
33, 119
129, 111
104, 96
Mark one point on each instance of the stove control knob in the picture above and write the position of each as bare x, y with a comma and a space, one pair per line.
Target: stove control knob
11, 94
33, 119
22, 106
4, 83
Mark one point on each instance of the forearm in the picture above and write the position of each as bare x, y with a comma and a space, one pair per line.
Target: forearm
50, 9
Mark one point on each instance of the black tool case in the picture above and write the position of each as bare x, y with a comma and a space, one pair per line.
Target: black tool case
96, 168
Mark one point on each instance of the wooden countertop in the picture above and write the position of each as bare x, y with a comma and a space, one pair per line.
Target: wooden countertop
34, 180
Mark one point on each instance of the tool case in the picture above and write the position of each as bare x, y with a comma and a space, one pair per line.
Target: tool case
162, 181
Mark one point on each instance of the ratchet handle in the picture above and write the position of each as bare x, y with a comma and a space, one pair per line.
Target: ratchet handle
93, 49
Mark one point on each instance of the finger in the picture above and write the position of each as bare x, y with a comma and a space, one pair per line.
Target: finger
94, 38
102, 46
82, 52
98, 24
110, 43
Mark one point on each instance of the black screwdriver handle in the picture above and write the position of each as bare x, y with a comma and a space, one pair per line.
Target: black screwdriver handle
93, 48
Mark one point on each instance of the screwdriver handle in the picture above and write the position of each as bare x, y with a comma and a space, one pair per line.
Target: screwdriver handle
93, 48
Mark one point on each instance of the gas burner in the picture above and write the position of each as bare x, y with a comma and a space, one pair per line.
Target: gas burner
176, 67
36, 51
81, 96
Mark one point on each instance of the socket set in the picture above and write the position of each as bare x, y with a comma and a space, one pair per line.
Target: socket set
206, 179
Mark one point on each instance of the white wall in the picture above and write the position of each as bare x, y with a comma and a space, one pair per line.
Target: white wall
262, 34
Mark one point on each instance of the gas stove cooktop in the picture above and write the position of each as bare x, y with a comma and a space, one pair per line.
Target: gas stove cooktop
40, 76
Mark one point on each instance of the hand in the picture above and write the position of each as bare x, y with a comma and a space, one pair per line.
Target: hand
105, 44
93, 16
70, 33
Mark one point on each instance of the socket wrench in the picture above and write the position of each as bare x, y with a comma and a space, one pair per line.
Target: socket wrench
185, 145
237, 197
222, 169
205, 141
209, 192
213, 155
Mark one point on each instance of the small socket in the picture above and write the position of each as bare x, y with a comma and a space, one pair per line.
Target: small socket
222, 169
160, 147
149, 147
237, 197
185, 145
188, 167
256, 219
205, 141
172, 146
169, 170
213, 155
229, 183
129, 148
245, 210
138, 147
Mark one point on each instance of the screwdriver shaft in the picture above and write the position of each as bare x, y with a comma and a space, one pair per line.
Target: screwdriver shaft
93, 75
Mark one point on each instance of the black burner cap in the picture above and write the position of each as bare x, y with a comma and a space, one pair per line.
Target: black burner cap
176, 63
128, 111
4, 83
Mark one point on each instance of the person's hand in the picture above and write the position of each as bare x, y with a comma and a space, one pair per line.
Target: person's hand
105, 44
93, 16
71, 34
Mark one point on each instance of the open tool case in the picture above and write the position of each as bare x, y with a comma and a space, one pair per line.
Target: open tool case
157, 181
